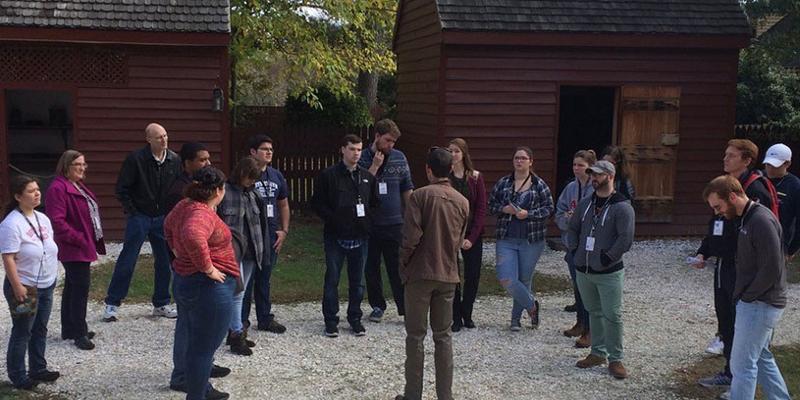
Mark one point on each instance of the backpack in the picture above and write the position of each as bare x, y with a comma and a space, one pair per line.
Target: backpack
773, 194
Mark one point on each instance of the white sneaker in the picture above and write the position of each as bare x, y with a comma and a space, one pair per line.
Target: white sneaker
165, 311
726, 395
110, 313
715, 346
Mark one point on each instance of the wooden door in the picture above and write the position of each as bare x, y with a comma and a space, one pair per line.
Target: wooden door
649, 136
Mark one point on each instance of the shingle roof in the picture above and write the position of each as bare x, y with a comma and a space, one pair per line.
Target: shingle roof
132, 15
716, 17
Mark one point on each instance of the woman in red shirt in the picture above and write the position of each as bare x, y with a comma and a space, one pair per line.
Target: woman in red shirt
205, 276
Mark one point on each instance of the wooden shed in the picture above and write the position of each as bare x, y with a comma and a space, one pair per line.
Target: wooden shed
657, 77
90, 75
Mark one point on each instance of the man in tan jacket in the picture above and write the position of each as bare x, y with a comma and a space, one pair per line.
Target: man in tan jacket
433, 230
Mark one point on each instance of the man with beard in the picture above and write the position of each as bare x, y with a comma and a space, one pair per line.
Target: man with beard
390, 169
759, 292
599, 233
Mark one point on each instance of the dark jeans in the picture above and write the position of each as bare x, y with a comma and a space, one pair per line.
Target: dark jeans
138, 228
462, 307
725, 308
28, 334
334, 260
582, 316
205, 309
73, 299
259, 287
384, 240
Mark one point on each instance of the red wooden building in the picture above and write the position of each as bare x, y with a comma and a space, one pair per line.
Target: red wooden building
91, 75
657, 77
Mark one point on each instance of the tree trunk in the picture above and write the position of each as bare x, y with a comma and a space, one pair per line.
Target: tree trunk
368, 88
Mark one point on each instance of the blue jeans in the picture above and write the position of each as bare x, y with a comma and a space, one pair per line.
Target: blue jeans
138, 228
516, 261
582, 315
28, 334
334, 260
205, 308
751, 360
259, 288
246, 268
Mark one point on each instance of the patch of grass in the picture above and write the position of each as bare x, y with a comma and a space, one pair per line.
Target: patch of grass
299, 273
7, 392
141, 288
787, 356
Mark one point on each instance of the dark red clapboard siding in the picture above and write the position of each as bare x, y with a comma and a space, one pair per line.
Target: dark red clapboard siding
167, 85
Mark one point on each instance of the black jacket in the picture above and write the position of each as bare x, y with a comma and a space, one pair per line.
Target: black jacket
335, 197
143, 184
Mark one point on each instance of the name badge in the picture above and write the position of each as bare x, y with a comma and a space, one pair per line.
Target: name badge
270, 211
383, 188
360, 210
718, 225
590, 243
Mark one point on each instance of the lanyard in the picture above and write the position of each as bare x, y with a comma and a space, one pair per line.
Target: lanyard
38, 233
603, 210
355, 182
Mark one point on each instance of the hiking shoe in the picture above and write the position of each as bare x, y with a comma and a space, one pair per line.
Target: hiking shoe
617, 370
358, 329
715, 346
238, 344
469, 323
84, 343
219, 372
45, 376
214, 394
110, 313
718, 380
575, 331
592, 360
457, 325
165, 311
273, 327
376, 315
571, 308
232, 338
726, 395
584, 341
178, 387
516, 326
331, 331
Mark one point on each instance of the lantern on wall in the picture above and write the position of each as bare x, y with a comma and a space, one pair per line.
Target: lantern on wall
217, 100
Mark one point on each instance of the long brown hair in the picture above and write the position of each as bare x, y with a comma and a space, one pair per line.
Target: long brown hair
15, 187
529, 152
467, 160
620, 161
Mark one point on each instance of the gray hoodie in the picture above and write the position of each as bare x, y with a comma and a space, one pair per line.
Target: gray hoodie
568, 201
612, 228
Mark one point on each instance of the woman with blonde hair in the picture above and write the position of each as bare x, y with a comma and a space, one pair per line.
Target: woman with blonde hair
75, 214
573, 193
469, 182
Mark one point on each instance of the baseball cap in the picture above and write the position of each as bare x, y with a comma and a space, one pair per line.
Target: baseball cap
603, 167
778, 154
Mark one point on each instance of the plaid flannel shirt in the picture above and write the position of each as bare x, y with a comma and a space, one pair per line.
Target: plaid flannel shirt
232, 210
540, 210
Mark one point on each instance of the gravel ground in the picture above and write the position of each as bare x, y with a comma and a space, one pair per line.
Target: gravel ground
668, 316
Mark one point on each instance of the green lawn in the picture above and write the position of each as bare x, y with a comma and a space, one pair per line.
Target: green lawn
7, 392
299, 273
788, 358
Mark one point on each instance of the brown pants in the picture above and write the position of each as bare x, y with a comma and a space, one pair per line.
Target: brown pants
421, 296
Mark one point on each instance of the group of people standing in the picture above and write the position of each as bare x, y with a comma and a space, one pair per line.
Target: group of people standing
754, 231
217, 239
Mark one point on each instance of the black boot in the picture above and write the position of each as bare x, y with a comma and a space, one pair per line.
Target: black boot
238, 344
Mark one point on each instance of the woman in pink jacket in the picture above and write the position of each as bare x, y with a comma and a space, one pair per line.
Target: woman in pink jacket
75, 214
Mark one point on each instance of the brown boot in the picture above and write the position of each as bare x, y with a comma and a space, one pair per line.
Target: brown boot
585, 340
238, 344
575, 331
617, 370
592, 360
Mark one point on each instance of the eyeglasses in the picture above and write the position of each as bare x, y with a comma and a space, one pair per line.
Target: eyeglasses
85, 165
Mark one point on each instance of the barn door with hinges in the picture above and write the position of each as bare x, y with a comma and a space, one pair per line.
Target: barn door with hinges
649, 136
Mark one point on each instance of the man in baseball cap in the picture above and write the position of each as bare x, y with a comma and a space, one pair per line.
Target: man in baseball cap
776, 164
